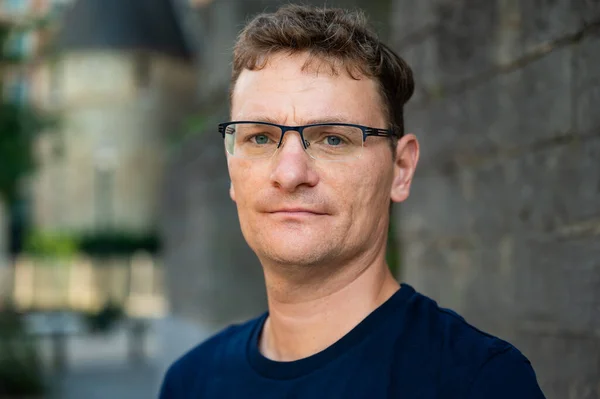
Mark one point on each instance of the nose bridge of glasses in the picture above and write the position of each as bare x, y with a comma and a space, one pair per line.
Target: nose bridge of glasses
297, 129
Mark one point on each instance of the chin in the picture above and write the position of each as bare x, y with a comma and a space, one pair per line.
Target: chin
296, 252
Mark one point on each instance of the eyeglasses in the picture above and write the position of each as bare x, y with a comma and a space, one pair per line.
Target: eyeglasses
323, 141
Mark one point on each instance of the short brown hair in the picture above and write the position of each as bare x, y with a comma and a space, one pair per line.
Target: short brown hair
331, 35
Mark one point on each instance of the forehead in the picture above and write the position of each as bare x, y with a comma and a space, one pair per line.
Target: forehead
289, 90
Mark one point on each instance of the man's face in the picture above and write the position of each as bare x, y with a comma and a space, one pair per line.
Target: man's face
296, 210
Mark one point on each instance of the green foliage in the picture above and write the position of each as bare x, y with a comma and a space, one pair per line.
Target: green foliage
51, 245
14, 151
18, 126
118, 243
102, 244
21, 371
195, 125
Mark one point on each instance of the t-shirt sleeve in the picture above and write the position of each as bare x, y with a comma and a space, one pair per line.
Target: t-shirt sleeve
506, 375
168, 386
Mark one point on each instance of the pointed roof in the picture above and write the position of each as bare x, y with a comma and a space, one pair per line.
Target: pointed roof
125, 25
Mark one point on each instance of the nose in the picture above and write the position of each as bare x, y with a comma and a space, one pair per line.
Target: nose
293, 167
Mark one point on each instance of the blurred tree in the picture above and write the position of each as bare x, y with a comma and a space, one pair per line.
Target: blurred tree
19, 123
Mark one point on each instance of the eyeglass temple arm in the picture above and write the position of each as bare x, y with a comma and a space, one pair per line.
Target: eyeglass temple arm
381, 133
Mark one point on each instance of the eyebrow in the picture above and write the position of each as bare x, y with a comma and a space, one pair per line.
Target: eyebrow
324, 119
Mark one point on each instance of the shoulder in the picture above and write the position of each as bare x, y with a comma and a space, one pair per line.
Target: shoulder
452, 340
465, 358
225, 347
507, 374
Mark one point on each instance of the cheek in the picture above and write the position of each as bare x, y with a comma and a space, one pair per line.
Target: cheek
243, 178
350, 189
375, 184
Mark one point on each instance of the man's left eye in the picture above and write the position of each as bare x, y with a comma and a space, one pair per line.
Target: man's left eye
333, 140
261, 139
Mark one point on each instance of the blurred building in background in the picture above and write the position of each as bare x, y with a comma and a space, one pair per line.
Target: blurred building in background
121, 77
123, 80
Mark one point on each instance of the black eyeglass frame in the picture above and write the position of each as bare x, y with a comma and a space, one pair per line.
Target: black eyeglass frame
366, 130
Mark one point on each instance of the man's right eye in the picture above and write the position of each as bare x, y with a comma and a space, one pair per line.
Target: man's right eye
259, 139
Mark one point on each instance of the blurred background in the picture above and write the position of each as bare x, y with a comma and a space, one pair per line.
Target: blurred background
120, 248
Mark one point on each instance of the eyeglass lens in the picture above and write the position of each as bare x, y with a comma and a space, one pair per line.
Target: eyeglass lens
329, 142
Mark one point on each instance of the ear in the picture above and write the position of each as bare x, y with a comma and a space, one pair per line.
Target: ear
407, 157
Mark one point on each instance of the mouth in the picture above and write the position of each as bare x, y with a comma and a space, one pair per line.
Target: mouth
297, 212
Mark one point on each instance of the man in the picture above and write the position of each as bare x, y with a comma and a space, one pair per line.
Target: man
316, 155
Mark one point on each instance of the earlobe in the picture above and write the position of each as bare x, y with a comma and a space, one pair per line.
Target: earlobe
407, 157
231, 191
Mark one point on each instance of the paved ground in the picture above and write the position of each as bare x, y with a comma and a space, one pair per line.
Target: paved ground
98, 367
118, 382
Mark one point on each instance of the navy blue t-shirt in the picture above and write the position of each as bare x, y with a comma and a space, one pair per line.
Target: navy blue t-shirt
407, 348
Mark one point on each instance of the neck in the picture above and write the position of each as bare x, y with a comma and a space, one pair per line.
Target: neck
307, 316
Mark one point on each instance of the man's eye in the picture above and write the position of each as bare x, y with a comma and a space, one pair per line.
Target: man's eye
334, 140
260, 139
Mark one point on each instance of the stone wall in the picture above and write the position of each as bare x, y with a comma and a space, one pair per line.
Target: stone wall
503, 223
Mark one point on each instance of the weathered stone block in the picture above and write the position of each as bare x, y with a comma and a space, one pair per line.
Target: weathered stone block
468, 275
422, 59
437, 206
586, 11
557, 284
567, 366
410, 17
473, 37
437, 270
502, 114
546, 20
520, 108
466, 35
538, 191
